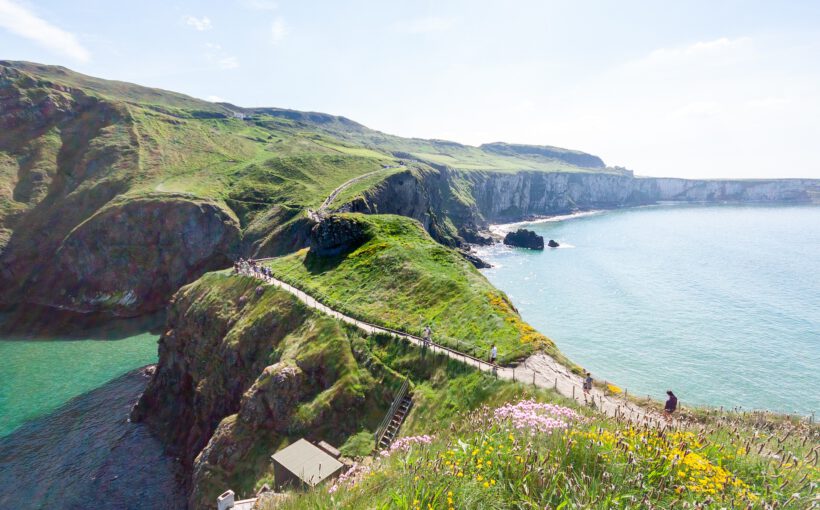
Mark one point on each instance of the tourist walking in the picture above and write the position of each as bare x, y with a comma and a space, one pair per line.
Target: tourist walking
587, 384
671, 405
428, 333
493, 354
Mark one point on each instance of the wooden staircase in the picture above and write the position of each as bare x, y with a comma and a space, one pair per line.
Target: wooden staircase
395, 417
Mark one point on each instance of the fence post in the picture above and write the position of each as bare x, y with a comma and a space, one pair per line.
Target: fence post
555, 385
533, 377
513, 374
573, 392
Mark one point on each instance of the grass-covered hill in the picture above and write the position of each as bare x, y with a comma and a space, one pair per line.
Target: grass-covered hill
73, 147
399, 277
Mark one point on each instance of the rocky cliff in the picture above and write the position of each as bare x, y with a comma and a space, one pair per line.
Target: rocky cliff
243, 370
71, 236
452, 204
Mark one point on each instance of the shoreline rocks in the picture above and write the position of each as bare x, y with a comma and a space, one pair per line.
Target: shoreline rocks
553, 243
523, 238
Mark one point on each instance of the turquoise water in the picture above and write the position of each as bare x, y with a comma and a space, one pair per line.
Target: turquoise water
719, 303
65, 437
37, 377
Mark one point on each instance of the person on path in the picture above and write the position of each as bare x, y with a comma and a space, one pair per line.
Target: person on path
671, 405
587, 384
493, 354
428, 333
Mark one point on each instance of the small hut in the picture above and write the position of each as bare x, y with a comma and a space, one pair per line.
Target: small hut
303, 465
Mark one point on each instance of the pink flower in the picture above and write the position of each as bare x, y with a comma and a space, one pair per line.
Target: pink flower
405, 443
534, 416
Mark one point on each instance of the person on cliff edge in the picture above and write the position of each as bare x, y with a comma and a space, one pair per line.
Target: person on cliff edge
671, 405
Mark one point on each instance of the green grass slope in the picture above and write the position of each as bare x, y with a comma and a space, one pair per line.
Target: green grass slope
401, 278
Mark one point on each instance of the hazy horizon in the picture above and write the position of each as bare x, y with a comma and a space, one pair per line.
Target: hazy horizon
694, 91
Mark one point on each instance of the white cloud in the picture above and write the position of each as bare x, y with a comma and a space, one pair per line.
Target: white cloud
698, 109
228, 62
21, 21
260, 5
701, 49
278, 30
215, 99
215, 54
424, 25
201, 24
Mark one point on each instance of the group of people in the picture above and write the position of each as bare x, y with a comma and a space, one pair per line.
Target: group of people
669, 407
250, 267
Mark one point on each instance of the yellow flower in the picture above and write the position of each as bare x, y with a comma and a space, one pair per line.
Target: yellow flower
486, 485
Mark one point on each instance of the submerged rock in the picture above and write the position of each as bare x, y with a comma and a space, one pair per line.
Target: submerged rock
524, 238
553, 244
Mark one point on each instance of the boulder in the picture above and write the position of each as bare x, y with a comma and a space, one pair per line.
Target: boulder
335, 235
553, 244
473, 236
474, 260
524, 238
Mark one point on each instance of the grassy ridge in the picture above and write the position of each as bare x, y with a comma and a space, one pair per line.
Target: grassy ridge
401, 278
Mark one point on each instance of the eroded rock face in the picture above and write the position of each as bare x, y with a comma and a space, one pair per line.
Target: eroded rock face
335, 235
523, 238
129, 258
472, 200
241, 372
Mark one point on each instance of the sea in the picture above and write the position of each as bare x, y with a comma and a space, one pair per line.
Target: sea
65, 438
720, 304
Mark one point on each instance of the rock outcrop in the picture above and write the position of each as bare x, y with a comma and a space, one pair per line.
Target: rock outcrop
553, 243
523, 238
335, 235
474, 259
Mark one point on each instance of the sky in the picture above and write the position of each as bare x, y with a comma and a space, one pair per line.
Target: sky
698, 89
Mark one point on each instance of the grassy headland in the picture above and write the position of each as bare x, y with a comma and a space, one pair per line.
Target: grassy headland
401, 278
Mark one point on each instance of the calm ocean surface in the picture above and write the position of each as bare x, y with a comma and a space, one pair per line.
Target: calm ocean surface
719, 303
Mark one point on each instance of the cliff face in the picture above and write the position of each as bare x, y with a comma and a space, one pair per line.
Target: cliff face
464, 201
244, 370
70, 236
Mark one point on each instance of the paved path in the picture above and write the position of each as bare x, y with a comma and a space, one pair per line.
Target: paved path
539, 369
322, 210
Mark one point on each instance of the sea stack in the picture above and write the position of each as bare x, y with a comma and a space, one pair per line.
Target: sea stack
553, 243
524, 238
